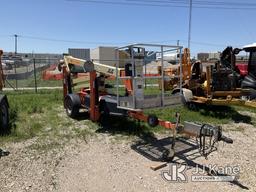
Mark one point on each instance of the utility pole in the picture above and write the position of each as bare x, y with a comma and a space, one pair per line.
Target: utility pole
16, 38
15, 70
178, 44
34, 62
190, 19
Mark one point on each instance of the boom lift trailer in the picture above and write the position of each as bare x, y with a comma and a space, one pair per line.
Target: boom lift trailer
99, 103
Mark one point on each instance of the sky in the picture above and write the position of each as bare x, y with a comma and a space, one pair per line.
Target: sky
53, 26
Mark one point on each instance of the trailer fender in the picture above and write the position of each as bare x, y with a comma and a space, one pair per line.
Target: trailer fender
4, 98
187, 94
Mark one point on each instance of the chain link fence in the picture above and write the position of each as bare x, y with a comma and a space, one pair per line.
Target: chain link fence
31, 73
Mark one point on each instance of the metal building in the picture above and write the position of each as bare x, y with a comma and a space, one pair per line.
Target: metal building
106, 55
79, 53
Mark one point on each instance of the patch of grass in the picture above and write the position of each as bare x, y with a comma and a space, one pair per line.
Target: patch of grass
83, 133
42, 115
215, 115
241, 108
28, 112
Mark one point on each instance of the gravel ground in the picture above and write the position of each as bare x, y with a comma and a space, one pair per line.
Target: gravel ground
107, 163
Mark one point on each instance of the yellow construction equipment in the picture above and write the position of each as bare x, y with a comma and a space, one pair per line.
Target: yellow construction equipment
219, 84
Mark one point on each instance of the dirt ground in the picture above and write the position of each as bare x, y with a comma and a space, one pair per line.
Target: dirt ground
104, 162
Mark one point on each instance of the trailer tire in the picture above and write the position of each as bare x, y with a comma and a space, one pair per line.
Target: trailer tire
104, 113
72, 105
4, 115
253, 95
104, 108
152, 120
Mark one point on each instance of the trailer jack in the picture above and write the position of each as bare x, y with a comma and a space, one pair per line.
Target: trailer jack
208, 136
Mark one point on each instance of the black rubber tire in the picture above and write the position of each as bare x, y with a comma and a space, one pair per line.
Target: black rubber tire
104, 114
4, 116
253, 95
104, 108
152, 121
72, 105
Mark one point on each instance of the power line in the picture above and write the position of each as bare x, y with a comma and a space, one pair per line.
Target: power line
201, 43
197, 2
68, 41
89, 42
208, 44
115, 43
122, 3
6, 35
181, 4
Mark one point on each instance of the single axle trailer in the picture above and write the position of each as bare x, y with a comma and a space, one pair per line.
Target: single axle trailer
132, 93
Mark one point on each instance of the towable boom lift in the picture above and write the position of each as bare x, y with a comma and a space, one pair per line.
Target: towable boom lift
98, 102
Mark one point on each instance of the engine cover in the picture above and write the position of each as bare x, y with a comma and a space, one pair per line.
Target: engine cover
223, 80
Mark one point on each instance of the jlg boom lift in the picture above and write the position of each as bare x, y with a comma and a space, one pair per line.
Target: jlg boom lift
131, 93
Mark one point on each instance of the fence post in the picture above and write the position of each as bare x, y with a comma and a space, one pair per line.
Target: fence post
34, 62
15, 71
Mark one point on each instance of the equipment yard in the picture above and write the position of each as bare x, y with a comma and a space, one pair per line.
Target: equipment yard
56, 153
127, 96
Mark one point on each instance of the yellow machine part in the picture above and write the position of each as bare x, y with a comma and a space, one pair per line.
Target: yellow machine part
221, 102
186, 64
186, 71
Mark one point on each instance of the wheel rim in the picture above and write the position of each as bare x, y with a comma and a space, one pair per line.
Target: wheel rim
151, 121
68, 105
